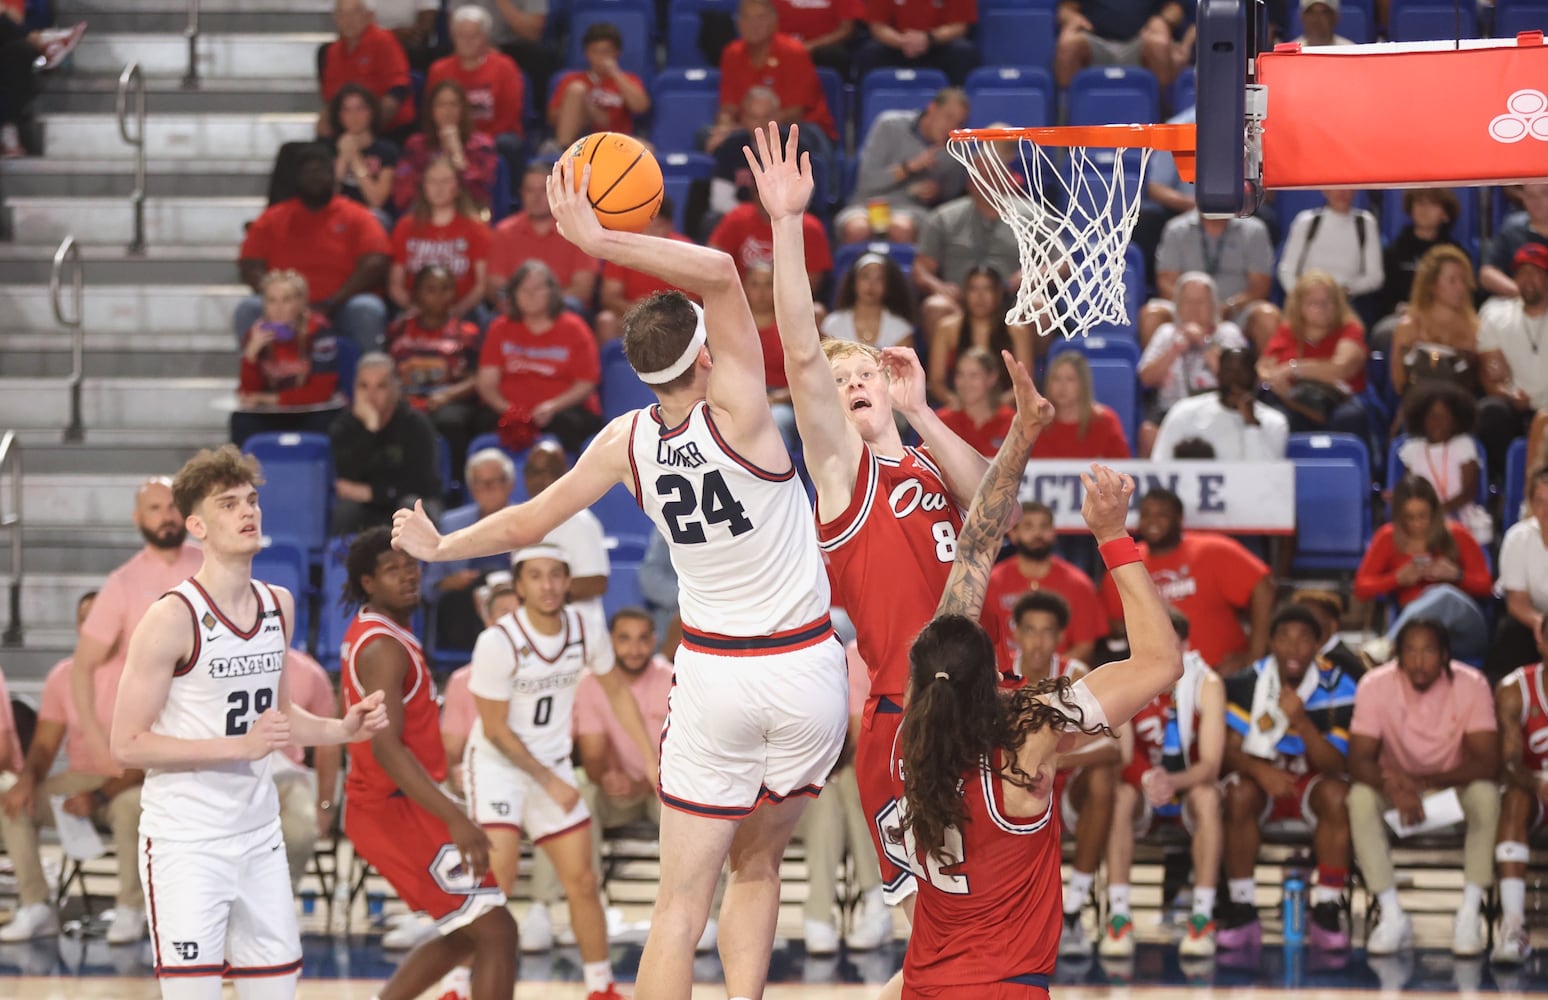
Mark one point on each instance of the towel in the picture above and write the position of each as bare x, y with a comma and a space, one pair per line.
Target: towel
1269, 722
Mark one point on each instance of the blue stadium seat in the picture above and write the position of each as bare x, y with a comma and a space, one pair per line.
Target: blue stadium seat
682, 41
1332, 515
678, 172
1464, 228
1019, 96
622, 390
896, 89
1430, 20
686, 101
636, 19
621, 516
623, 588
839, 96
1511, 17
283, 563
1395, 470
1184, 90
1515, 483
1017, 34
1330, 446
332, 618
1112, 95
298, 489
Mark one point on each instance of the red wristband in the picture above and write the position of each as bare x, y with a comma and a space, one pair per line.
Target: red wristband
1119, 552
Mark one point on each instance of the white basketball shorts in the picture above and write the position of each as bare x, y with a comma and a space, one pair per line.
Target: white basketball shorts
500, 794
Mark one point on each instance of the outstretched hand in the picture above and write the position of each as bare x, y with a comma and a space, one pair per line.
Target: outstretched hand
1106, 507
572, 209
782, 173
1032, 410
906, 379
413, 532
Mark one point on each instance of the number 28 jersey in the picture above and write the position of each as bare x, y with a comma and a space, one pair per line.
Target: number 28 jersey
229, 679
743, 540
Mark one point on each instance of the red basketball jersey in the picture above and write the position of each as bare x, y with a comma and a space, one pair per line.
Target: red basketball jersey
367, 781
996, 912
1534, 718
889, 555
1149, 738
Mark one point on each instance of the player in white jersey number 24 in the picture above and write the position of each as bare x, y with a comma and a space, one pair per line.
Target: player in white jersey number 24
201, 709
759, 711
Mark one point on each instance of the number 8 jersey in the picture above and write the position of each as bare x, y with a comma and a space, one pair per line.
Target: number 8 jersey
229, 679
743, 540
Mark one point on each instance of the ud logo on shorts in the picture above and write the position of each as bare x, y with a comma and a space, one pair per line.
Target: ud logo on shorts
503, 808
186, 950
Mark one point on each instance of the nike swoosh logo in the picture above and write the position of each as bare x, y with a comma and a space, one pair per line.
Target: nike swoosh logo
277, 846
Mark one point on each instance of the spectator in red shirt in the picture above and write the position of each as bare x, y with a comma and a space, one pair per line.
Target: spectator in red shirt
600, 98
539, 367
371, 56
1210, 578
764, 56
979, 418
447, 130
436, 355
492, 82
1035, 567
747, 235
920, 33
444, 228
1082, 427
532, 234
1431, 566
623, 288
337, 244
363, 163
826, 28
280, 387
1314, 364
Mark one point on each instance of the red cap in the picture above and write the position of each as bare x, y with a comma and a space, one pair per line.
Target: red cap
1535, 254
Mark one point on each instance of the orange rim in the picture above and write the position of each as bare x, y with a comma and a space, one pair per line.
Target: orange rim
1179, 140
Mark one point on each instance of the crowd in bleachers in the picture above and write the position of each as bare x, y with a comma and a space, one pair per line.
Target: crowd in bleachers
420, 332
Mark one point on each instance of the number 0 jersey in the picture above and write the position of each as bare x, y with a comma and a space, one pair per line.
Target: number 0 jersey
537, 675
743, 540
229, 679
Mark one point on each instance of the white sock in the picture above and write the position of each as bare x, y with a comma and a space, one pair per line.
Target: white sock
1118, 899
1242, 890
1472, 898
598, 975
1513, 896
1325, 894
458, 981
1389, 901
1203, 901
1076, 892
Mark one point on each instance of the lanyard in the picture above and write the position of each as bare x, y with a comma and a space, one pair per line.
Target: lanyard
1211, 258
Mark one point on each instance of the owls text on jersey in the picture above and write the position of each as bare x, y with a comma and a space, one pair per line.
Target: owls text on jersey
231, 677
537, 674
743, 540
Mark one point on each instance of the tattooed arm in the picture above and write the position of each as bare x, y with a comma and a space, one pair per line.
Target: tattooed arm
996, 501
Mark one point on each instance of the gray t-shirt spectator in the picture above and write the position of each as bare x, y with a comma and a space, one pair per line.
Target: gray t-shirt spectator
1243, 249
958, 238
894, 138
502, 33
1515, 232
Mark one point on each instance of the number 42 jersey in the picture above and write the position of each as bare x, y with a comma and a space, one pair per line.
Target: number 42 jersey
743, 539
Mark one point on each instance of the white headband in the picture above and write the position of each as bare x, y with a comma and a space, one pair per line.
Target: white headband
684, 360
539, 552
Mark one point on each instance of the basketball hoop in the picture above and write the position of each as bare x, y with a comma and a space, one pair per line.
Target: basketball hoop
1071, 195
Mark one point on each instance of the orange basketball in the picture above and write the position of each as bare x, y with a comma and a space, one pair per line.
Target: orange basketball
626, 183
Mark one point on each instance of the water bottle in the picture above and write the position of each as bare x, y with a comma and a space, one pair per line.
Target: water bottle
308, 902
1294, 908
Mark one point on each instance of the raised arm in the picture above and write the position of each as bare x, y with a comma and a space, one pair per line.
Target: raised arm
737, 382
161, 643
996, 502
1155, 656
962, 466
830, 445
603, 464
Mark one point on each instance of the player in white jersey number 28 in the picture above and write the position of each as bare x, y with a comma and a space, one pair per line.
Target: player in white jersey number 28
201, 709
759, 711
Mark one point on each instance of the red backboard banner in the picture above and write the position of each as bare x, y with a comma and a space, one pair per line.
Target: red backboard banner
1390, 118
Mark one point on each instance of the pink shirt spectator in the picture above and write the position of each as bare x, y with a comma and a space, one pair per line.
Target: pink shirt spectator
129, 592
594, 715
59, 707
310, 688
859, 679
1421, 731
458, 712
8, 737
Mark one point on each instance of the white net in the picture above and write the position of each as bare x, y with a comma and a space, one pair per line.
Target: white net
1073, 209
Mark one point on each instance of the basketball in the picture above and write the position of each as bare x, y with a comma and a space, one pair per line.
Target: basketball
626, 183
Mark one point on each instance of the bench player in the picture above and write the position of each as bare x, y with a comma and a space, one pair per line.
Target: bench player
202, 706
1521, 701
759, 712
517, 770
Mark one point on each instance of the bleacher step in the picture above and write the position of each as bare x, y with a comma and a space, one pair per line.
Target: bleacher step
155, 310
114, 178
158, 452
25, 263
288, 54
109, 221
168, 18
127, 405
76, 93
170, 136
